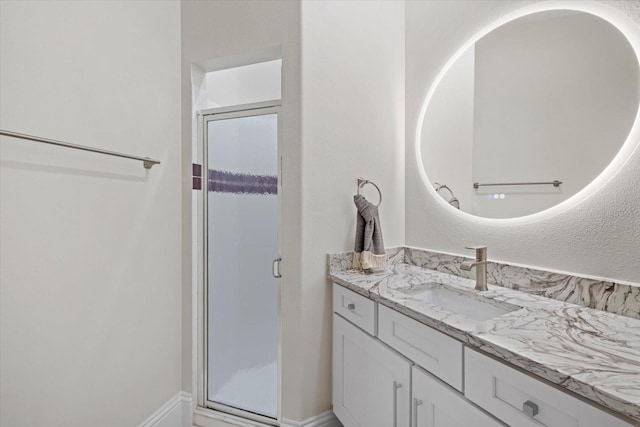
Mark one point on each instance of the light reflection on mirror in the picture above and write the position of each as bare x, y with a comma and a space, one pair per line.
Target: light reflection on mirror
548, 96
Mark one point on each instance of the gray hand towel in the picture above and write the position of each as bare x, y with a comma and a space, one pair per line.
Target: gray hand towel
369, 252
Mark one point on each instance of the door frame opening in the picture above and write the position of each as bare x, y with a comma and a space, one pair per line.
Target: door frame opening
204, 117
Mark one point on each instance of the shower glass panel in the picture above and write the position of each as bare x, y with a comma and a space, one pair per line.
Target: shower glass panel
242, 243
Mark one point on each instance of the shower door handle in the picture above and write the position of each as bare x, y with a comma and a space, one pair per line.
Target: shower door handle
275, 268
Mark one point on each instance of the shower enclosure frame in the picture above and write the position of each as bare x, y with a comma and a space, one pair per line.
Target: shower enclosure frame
204, 117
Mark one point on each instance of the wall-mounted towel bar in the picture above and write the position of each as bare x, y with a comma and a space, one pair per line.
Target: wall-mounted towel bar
362, 182
146, 162
555, 183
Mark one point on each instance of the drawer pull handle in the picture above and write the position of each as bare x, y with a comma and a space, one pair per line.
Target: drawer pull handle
416, 403
396, 386
530, 409
351, 306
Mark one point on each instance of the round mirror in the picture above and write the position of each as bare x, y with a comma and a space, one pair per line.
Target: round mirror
529, 114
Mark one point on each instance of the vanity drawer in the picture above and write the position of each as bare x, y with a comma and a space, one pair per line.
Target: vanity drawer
434, 351
355, 308
520, 400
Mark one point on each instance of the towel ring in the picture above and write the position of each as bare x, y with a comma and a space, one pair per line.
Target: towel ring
362, 182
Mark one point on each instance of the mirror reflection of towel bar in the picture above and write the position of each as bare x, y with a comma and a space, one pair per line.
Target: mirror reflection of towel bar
555, 183
453, 201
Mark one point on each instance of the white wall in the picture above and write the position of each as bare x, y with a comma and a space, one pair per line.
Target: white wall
244, 85
353, 119
599, 236
90, 248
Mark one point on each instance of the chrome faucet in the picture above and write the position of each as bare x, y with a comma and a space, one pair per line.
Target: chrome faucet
480, 263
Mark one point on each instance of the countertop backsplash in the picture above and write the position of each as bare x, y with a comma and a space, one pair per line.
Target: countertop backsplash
600, 294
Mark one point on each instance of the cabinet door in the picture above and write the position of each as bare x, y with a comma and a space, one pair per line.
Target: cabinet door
436, 405
371, 383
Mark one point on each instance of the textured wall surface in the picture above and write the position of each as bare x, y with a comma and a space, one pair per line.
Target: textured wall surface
599, 236
352, 123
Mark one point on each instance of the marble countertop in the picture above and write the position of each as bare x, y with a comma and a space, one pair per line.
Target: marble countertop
590, 352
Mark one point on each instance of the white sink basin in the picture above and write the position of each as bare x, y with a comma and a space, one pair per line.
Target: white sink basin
471, 307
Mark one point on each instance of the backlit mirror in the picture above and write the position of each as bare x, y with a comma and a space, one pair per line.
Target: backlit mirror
530, 114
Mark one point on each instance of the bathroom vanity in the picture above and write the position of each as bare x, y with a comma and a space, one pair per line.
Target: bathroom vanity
418, 347
507, 126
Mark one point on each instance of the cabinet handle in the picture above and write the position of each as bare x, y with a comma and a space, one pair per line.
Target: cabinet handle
416, 403
396, 386
351, 306
530, 409
275, 268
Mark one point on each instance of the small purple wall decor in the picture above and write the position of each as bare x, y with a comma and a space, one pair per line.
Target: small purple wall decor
197, 176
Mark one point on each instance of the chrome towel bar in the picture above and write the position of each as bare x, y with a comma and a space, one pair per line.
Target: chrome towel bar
555, 183
146, 161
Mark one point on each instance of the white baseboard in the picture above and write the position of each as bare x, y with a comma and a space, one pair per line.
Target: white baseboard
326, 419
207, 418
175, 413
203, 417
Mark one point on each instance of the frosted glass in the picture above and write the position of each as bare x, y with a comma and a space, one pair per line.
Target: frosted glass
242, 244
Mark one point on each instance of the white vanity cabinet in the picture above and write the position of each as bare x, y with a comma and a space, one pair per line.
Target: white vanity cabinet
375, 386
371, 383
411, 375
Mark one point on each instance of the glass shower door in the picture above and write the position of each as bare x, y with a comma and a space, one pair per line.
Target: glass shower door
242, 218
